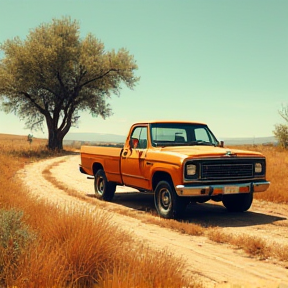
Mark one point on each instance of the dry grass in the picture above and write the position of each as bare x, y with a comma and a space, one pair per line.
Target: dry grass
276, 173
84, 253
182, 227
253, 246
75, 248
72, 248
21, 149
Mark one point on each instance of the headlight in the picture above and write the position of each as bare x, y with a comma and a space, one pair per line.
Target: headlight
258, 167
191, 169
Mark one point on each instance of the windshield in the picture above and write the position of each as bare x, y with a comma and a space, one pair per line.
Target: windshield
181, 134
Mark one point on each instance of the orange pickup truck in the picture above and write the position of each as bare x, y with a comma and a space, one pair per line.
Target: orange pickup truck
180, 162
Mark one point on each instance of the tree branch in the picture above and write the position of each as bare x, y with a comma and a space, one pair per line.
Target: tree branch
41, 110
99, 77
60, 81
67, 121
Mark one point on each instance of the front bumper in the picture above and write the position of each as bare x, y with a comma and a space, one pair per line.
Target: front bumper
221, 189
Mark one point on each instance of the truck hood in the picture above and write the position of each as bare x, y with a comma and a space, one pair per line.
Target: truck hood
208, 151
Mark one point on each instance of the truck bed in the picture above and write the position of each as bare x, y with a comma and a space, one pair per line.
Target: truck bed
109, 157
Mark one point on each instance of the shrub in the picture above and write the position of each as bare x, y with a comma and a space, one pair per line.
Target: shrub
281, 134
15, 236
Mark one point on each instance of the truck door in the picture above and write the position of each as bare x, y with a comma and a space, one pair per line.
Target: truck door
133, 161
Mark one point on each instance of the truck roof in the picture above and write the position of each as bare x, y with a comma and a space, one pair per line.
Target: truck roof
169, 121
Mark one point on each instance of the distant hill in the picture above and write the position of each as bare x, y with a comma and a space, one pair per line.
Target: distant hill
100, 137
250, 141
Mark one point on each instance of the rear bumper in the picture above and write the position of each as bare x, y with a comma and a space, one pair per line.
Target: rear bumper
221, 189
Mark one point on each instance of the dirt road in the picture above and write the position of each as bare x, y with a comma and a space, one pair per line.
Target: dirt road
217, 265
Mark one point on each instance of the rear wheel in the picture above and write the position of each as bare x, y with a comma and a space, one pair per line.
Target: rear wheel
238, 202
168, 204
104, 190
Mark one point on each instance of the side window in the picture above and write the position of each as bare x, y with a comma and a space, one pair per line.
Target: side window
139, 136
201, 135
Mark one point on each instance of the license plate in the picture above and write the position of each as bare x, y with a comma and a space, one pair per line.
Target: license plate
231, 190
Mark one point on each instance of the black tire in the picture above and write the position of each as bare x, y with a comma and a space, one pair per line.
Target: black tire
104, 190
238, 202
168, 204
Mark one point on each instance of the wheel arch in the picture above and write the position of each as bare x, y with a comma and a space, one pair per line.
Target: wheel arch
160, 176
97, 166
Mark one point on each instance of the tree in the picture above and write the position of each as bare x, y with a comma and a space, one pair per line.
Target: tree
281, 130
281, 134
53, 75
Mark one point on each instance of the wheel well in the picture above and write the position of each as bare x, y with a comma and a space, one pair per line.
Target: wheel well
160, 176
96, 167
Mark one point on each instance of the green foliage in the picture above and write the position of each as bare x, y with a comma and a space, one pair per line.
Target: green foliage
281, 130
54, 74
281, 134
15, 236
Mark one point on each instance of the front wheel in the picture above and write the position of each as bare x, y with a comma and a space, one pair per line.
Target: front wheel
168, 204
238, 202
104, 190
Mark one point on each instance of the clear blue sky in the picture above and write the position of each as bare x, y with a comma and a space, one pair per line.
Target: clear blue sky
222, 62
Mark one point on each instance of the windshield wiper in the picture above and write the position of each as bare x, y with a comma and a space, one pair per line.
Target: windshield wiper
192, 143
201, 142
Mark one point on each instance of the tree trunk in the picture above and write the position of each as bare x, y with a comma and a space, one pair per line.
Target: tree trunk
55, 139
56, 134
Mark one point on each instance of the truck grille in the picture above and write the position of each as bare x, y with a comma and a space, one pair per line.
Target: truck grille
231, 170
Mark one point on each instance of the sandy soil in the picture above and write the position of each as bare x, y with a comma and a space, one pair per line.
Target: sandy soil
216, 265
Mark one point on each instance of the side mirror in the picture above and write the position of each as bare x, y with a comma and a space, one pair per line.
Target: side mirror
221, 144
133, 142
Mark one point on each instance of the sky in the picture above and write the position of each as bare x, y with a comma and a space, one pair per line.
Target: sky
221, 62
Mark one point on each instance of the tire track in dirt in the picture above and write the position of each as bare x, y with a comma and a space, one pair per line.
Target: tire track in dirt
217, 265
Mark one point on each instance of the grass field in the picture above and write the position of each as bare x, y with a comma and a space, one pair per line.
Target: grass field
276, 173
42, 246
